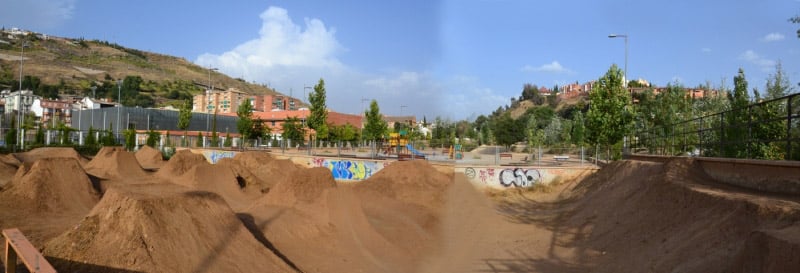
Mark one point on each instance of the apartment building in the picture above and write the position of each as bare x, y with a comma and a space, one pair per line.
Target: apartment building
223, 102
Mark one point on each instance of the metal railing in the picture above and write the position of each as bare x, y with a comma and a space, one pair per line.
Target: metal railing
764, 130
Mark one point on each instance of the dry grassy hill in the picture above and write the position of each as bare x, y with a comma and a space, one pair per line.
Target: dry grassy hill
79, 63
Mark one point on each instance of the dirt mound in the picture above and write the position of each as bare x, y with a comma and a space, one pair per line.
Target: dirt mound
50, 152
669, 217
415, 182
56, 185
310, 210
8, 167
180, 163
149, 157
115, 163
219, 179
304, 186
252, 184
269, 170
161, 228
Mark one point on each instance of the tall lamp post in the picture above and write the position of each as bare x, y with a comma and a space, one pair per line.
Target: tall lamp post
119, 106
19, 95
208, 96
304, 92
626, 54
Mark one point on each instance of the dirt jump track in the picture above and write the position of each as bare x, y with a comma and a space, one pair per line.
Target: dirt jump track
130, 212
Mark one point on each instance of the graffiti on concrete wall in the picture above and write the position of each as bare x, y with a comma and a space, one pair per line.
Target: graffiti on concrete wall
519, 177
346, 169
504, 178
214, 156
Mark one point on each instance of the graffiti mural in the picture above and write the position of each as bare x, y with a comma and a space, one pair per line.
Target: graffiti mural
345, 169
518, 177
214, 156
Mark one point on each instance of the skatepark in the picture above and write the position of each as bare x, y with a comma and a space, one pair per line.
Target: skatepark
223, 211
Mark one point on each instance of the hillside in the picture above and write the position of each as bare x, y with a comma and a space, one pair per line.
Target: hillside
73, 65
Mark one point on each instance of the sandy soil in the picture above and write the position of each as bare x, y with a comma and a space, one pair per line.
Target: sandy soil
253, 213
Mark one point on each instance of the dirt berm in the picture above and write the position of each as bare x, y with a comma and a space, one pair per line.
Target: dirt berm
636, 216
161, 228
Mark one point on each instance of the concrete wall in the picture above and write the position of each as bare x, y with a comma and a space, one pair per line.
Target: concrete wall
504, 177
349, 169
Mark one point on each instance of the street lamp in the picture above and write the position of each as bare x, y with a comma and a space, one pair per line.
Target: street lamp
625, 82
304, 92
119, 100
208, 96
19, 94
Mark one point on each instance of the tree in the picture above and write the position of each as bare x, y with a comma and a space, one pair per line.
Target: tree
506, 130
533, 134
39, 138
735, 136
228, 141
199, 141
153, 138
214, 136
293, 130
778, 84
11, 134
184, 117
796, 20
108, 137
245, 122
318, 117
375, 126
610, 114
130, 139
91, 139
578, 129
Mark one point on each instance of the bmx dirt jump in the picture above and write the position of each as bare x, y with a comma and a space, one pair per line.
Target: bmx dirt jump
130, 212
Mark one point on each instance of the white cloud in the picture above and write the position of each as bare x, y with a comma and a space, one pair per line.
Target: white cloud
773, 37
553, 67
753, 57
288, 56
39, 14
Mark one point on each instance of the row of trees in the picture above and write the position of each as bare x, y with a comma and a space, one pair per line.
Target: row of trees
725, 123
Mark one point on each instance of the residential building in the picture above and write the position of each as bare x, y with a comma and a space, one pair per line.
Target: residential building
18, 100
223, 102
392, 120
51, 112
276, 118
268, 103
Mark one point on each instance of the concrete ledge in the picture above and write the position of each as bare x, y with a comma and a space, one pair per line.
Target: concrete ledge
763, 175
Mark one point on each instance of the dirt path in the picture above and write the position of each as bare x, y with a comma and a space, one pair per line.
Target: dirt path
478, 235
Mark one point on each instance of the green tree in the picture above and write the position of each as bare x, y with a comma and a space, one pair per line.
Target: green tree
578, 129
318, 117
11, 134
39, 139
228, 141
375, 127
245, 122
199, 141
153, 138
735, 136
778, 84
796, 20
108, 137
610, 114
214, 142
91, 139
506, 130
130, 139
293, 130
533, 134
184, 117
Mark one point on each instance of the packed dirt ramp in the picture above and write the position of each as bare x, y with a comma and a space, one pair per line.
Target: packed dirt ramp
161, 228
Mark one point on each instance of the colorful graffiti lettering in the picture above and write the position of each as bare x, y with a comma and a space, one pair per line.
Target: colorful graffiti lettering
350, 170
519, 177
214, 156
317, 162
484, 174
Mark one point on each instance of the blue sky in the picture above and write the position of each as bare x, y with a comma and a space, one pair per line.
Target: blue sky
455, 59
